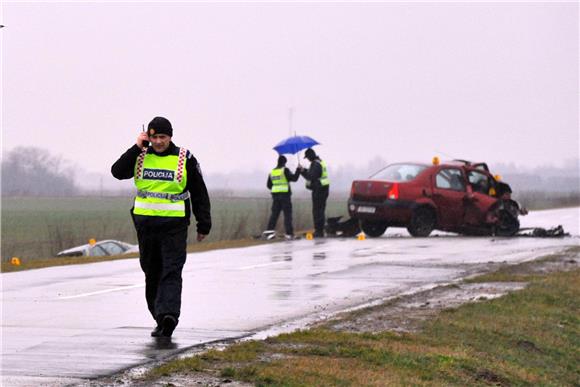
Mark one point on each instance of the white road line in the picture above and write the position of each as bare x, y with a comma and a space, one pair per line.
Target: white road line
261, 265
102, 291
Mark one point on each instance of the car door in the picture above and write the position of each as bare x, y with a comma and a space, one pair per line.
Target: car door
449, 189
480, 200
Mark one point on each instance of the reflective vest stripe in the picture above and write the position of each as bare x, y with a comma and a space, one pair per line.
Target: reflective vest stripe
161, 206
181, 164
139, 167
163, 195
279, 181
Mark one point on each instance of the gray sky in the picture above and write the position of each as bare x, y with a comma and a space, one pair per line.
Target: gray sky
483, 81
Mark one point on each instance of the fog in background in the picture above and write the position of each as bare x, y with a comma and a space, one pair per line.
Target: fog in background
30, 171
374, 83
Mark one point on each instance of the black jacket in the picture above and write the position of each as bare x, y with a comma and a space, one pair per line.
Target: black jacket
289, 176
124, 168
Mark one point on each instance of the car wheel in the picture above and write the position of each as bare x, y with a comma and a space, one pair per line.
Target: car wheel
373, 229
507, 225
422, 222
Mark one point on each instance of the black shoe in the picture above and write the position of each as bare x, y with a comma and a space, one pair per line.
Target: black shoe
168, 325
156, 332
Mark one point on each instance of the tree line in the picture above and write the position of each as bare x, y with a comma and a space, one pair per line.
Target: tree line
31, 171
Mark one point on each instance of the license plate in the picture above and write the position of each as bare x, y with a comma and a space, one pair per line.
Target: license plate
367, 210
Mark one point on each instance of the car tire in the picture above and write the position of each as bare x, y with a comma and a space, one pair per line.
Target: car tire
422, 222
373, 229
507, 225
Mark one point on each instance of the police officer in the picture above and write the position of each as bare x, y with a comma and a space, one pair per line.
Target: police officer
317, 181
279, 184
169, 187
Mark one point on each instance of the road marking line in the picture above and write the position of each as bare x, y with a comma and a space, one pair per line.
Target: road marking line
261, 265
102, 292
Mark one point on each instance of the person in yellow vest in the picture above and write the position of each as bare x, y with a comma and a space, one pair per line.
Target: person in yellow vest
169, 187
279, 185
317, 181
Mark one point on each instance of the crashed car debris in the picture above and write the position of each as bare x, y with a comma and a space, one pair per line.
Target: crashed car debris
539, 232
335, 226
100, 249
457, 196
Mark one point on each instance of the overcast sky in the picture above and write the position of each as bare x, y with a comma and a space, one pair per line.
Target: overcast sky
483, 81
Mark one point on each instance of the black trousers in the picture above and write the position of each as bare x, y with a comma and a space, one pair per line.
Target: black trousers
163, 252
319, 197
281, 203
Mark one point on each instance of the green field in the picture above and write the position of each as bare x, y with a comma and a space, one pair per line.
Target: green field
39, 227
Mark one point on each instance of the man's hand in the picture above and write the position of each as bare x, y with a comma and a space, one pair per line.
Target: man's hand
200, 237
140, 138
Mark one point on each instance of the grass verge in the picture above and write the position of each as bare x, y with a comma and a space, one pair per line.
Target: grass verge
528, 337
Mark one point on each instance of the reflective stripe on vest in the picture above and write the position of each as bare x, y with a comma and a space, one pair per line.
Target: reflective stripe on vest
164, 175
324, 180
161, 206
279, 181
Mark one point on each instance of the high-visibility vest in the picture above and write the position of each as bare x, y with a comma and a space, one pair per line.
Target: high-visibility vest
324, 180
159, 176
279, 181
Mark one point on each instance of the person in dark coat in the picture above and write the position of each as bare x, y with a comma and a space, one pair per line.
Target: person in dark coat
170, 187
317, 181
279, 185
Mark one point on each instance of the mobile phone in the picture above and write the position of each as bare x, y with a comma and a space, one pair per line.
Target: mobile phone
145, 143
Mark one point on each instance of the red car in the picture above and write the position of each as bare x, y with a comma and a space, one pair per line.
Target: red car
457, 196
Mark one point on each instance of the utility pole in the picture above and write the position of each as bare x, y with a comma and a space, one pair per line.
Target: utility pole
290, 117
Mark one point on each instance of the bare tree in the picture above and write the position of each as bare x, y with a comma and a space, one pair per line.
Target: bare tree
31, 171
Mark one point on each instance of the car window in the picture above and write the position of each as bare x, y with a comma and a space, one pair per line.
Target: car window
97, 251
399, 172
450, 178
480, 182
112, 248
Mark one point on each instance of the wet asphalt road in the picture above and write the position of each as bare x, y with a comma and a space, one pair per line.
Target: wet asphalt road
68, 324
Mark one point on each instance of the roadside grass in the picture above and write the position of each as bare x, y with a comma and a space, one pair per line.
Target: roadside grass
528, 337
525, 271
39, 227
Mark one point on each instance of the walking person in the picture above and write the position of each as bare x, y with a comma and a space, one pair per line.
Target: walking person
169, 187
279, 185
317, 181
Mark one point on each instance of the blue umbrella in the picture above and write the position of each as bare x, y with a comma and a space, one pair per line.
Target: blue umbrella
295, 144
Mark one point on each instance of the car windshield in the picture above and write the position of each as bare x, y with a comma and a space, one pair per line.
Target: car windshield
97, 251
112, 248
399, 172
